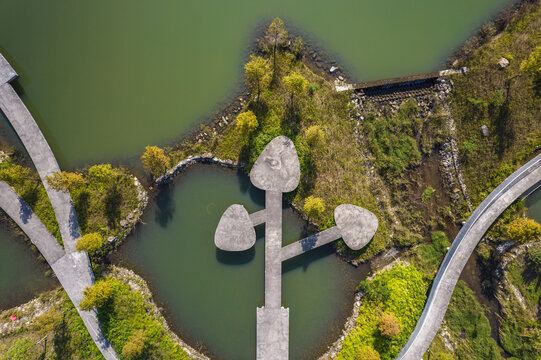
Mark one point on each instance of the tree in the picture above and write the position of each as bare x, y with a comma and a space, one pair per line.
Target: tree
276, 35
258, 74
295, 83
90, 243
155, 160
102, 173
314, 135
135, 345
97, 295
389, 325
368, 353
532, 65
247, 122
65, 181
522, 230
313, 206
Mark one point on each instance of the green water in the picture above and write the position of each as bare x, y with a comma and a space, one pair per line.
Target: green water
210, 296
106, 78
533, 203
22, 275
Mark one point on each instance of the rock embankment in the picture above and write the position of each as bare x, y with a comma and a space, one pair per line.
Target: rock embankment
128, 224
206, 158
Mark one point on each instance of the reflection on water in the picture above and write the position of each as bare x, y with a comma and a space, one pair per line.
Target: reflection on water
210, 296
22, 275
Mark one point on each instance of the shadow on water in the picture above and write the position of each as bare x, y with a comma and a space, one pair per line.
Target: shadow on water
165, 206
235, 257
304, 260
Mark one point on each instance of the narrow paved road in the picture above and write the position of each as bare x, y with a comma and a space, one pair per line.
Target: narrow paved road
519, 183
72, 268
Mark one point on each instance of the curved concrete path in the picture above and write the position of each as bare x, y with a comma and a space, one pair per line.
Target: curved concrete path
519, 183
72, 268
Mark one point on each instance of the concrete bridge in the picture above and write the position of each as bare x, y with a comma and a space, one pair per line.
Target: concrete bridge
72, 268
521, 182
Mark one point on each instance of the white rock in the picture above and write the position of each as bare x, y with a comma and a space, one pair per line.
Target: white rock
503, 62
333, 69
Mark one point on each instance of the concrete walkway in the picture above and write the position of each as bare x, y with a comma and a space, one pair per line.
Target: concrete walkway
72, 268
512, 188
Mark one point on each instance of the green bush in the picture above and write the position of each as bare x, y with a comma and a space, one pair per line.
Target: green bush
367, 353
155, 160
522, 230
400, 290
90, 243
97, 295
392, 140
135, 345
428, 256
314, 206
23, 349
126, 316
427, 194
247, 122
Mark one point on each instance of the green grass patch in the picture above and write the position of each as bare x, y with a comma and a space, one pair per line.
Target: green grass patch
401, 291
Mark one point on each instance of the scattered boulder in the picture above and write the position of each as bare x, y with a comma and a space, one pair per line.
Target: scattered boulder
484, 130
333, 69
503, 63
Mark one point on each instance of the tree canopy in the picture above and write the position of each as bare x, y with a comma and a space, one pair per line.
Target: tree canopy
155, 160
97, 295
247, 121
258, 74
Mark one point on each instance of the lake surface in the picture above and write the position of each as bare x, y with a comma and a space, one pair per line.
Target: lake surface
210, 296
533, 203
22, 275
106, 78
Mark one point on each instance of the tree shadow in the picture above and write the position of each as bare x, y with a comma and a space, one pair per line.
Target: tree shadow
81, 208
165, 206
113, 200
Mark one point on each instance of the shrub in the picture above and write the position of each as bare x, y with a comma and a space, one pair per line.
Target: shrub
64, 181
532, 65
247, 122
135, 345
368, 353
96, 295
400, 290
24, 349
427, 194
314, 135
389, 325
155, 160
534, 255
102, 173
90, 243
313, 206
522, 230
295, 83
